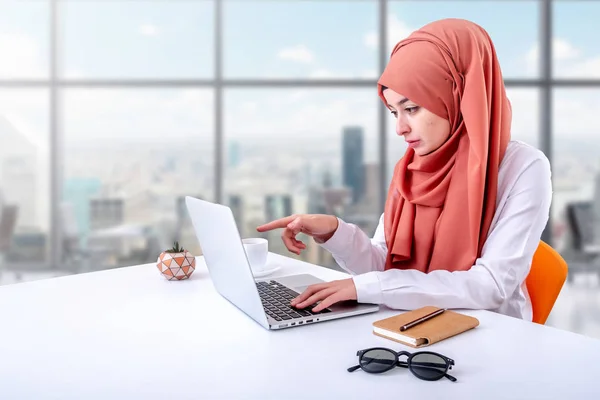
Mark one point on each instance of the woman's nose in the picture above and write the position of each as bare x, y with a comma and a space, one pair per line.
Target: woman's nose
402, 127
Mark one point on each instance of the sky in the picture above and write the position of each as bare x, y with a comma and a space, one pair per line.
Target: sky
266, 39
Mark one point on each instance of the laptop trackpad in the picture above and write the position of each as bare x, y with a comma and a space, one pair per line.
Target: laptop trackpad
300, 282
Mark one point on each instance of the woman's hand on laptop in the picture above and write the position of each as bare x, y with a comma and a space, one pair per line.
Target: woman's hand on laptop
328, 293
319, 226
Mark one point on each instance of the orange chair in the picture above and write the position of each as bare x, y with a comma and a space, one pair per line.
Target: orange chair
545, 280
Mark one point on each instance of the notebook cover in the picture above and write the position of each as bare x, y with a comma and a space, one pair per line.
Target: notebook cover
441, 327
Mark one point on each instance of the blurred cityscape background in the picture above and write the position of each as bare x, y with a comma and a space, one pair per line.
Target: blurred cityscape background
112, 111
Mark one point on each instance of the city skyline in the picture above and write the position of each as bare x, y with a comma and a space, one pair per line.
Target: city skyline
150, 181
127, 137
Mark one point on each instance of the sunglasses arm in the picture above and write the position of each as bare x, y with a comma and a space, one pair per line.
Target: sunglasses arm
352, 369
453, 379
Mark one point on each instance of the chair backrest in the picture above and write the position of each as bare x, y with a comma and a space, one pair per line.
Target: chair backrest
545, 280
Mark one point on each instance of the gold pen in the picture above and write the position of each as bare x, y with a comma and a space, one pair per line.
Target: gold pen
422, 319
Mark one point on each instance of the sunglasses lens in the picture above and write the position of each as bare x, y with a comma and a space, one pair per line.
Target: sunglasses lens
428, 366
377, 360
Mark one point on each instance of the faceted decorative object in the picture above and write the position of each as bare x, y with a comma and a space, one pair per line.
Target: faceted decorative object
176, 263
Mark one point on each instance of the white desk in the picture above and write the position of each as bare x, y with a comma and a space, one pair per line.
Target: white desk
131, 334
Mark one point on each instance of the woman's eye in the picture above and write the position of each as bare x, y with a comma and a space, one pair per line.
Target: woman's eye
412, 110
394, 113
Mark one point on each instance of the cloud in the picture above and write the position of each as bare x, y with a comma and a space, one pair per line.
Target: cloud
249, 107
298, 94
397, 30
299, 53
314, 112
324, 73
148, 30
27, 110
562, 51
371, 40
589, 68
576, 113
74, 72
129, 115
21, 57
369, 74
525, 114
568, 61
289, 118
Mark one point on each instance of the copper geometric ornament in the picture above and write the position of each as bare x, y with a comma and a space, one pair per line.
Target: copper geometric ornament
176, 266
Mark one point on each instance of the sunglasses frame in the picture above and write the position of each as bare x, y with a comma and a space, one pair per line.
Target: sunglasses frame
405, 364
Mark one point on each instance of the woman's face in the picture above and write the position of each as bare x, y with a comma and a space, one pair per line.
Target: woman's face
424, 131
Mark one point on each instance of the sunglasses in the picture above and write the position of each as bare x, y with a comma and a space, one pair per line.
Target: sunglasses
424, 365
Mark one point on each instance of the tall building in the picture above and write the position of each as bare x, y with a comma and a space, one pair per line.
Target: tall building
20, 182
234, 156
277, 206
332, 201
352, 161
106, 213
184, 232
371, 192
327, 179
236, 203
596, 208
19, 174
365, 214
77, 193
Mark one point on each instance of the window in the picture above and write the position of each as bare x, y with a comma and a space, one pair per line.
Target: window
132, 155
514, 46
301, 151
138, 39
576, 167
525, 115
23, 39
147, 82
576, 53
300, 39
24, 182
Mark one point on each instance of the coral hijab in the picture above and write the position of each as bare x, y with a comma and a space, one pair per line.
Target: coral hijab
440, 206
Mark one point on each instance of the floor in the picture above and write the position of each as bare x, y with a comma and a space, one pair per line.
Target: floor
577, 308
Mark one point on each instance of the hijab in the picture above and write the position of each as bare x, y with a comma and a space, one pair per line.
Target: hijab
440, 206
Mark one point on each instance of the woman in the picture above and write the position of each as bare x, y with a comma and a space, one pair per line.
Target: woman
466, 206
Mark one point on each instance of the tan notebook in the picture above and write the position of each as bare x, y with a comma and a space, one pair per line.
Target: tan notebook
441, 327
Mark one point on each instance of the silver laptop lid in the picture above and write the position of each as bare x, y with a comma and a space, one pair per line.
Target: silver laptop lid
225, 256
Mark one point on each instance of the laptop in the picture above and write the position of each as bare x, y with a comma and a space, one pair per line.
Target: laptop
265, 300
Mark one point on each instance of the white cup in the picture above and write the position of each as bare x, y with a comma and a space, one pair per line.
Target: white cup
257, 250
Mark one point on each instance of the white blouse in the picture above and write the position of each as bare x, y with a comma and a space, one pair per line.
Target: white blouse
497, 280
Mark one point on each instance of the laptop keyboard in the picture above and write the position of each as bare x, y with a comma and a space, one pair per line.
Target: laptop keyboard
276, 300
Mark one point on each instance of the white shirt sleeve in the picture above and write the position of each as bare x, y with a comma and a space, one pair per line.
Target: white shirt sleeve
354, 251
501, 269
